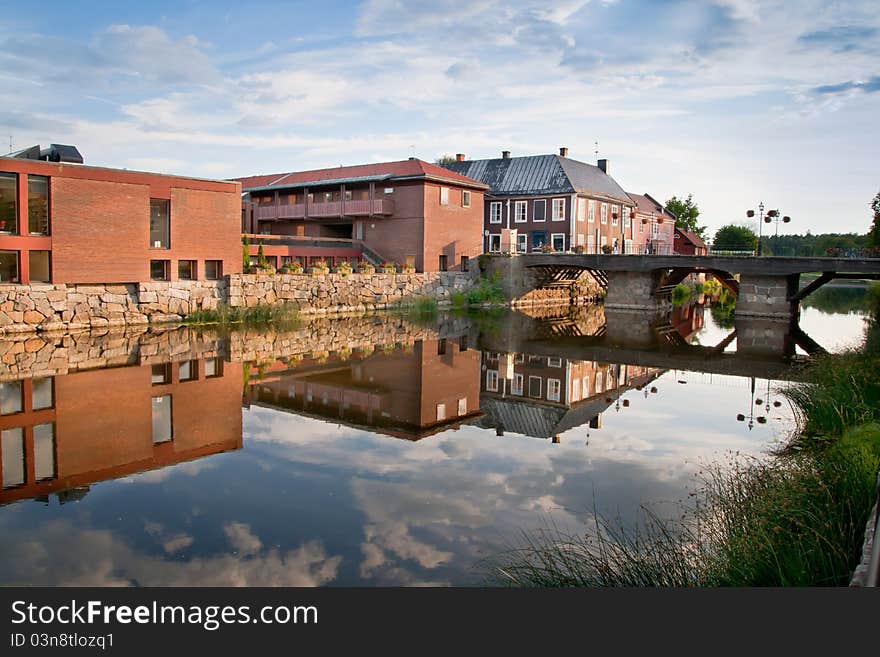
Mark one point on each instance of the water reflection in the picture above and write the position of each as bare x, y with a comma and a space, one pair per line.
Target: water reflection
275, 457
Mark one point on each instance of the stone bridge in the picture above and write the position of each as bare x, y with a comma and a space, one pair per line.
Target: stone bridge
766, 287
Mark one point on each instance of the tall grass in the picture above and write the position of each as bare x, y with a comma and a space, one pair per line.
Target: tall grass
259, 314
680, 294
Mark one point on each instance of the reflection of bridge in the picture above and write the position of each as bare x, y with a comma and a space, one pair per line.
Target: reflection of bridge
767, 287
764, 349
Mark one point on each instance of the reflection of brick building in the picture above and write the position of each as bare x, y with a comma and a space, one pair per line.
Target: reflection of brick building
61, 433
543, 396
404, 392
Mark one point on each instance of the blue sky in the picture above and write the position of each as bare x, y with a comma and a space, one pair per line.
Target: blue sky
735, 101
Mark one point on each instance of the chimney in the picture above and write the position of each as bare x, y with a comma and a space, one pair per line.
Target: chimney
563, 151
459, 157
505, 155
603, 164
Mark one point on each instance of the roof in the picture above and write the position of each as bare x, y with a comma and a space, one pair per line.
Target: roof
537, 420
541, 174
648, 204
693, 238
411, 169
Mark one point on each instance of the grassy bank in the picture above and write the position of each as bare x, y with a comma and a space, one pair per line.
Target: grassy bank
259, 314
794, 519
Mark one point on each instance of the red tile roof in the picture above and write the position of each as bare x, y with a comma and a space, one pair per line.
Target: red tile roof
647, 204
413, 168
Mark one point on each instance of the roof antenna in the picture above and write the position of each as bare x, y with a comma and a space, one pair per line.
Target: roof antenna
596, 145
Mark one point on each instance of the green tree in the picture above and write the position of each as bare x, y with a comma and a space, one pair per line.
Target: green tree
245, 255
686, 213
444, 159
735, 238
874, 233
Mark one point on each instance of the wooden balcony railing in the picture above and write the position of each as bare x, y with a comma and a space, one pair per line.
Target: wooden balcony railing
354, 208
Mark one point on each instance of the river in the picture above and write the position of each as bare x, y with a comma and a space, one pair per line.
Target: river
382, 450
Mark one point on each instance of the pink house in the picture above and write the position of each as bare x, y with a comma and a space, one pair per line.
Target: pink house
653, 228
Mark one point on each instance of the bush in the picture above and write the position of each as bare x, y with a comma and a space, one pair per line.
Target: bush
260, 314
680, 294
487, 290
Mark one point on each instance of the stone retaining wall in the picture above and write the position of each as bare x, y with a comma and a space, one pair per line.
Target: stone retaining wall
352, 293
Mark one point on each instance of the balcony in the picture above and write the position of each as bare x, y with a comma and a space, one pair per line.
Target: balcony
353, 208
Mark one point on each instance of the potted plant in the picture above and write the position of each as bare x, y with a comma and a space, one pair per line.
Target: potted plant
408, 268
606, 249
579, 248
295, 267
343, 268
319, 267
546, 248
389, 268
366, 267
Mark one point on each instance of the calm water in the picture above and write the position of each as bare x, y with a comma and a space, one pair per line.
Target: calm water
375, 451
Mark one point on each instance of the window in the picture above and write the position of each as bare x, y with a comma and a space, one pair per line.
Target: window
441, 347
539, 239
464, 263
535, 387
603, 214
554, 361
655, 229
540, 210
495, 213
328, 197
553, 389
8, 203
642, 227
159, 269
585, 384
388, 190
463, 343
591, 211
627, 220
44, 451
462, 406
38, 261
161, 374
495, 243
557, 240
492, 380
38, 205
575, 390
444, 196
188, 370
186, 270
11, 397
600, 382
347, 195
443, 263
12, 455
582, 209
213, 367
160, 223
516, 386
521, 212
580, 239
441, 412
558, 209
604, 240
43, 393
162, 426
521, 242
591, 244
359, 230
465, 199
8, 266
615, 216
213, 270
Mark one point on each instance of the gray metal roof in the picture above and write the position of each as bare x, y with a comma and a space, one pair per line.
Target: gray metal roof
533, 175
530, 418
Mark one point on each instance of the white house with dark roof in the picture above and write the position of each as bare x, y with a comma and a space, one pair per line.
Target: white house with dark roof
552, 202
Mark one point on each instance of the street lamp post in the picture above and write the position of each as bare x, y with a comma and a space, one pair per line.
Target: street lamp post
774, 215
750, 214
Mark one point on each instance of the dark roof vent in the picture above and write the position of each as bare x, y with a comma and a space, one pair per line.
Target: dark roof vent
62, 153
55, 153
505, 155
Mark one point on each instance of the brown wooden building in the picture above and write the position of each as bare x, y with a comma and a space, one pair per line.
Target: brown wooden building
409, 212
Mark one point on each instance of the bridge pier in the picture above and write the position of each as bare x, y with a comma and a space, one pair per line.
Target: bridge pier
634, 290
768, 296
764, 337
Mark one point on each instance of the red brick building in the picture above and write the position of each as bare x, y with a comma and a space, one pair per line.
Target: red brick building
63, 222
552, 202
688, 243
407, 212
653, 228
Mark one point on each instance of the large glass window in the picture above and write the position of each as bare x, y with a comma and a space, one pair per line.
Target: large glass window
213, 269
10, 397
44, 451
43, 393
162, 429
159, 270
39, 266
8, 203
160, 223
38, 205
8, 266
12, 449
186, 270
